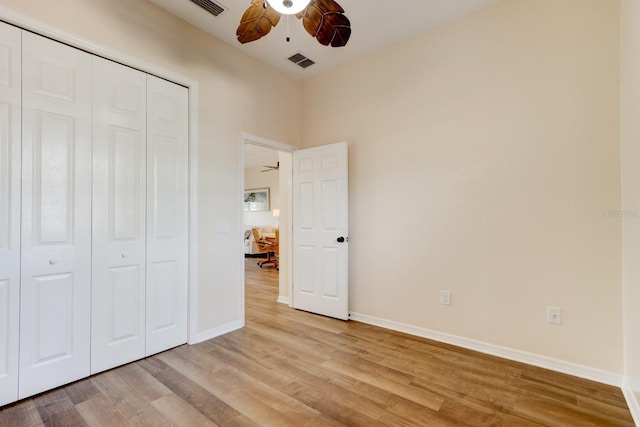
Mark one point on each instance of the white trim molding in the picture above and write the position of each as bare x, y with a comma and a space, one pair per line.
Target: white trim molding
557, 365
219, 330
284, 300
27, 23
631, 389
193, 213
266, 143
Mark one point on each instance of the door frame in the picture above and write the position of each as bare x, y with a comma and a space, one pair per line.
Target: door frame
247, 138
26, 23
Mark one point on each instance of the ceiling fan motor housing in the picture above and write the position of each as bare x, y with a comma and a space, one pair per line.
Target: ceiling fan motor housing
288, 7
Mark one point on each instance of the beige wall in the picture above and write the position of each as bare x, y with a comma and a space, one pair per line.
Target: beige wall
237, 94
484, 159
630, 146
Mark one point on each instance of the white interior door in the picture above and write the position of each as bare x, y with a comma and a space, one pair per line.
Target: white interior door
56, 215
10, 100
119, 215
167, 214
320, 230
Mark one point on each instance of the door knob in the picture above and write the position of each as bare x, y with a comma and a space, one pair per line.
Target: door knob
53, 261
340, 239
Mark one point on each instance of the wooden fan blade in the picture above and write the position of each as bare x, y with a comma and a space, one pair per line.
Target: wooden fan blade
325, 20
256, 22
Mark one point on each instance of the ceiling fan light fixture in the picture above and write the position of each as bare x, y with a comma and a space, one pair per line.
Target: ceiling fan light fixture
322, 19
288, 7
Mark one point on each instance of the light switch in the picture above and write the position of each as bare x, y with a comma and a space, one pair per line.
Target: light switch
223, 226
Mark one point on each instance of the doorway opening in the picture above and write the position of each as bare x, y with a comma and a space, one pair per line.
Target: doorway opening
266, 209
316, 183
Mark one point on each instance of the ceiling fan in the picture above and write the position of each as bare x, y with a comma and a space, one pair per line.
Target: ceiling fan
323, 19
271, 168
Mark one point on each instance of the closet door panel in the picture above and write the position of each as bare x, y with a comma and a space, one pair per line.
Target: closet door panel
10, 142
56, 215
167, 219
119, 216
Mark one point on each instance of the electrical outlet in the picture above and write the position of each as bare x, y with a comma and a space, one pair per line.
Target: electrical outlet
554, 315
445, 297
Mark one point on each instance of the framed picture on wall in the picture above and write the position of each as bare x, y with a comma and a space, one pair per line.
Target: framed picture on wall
256, 200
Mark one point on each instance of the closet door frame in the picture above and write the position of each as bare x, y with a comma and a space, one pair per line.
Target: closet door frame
11, 17
10, 189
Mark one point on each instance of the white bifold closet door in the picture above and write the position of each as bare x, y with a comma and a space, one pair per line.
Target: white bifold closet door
10, 142
83, 290
119, 215
167, 218
140, 193
55, 313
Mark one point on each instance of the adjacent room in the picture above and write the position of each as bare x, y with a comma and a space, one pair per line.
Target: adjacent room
261, 200
450, 190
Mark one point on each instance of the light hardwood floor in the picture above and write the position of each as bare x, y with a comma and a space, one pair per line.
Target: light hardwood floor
291, 368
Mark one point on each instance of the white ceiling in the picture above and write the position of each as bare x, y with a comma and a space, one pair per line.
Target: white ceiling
374, 24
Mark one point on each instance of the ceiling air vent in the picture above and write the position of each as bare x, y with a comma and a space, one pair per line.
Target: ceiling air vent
213, 8
301, 60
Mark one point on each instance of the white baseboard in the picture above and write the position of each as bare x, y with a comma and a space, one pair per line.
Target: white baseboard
284, 300
630, 388
574, 369
220, 330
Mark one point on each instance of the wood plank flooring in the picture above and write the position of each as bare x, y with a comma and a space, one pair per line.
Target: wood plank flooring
291, 368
